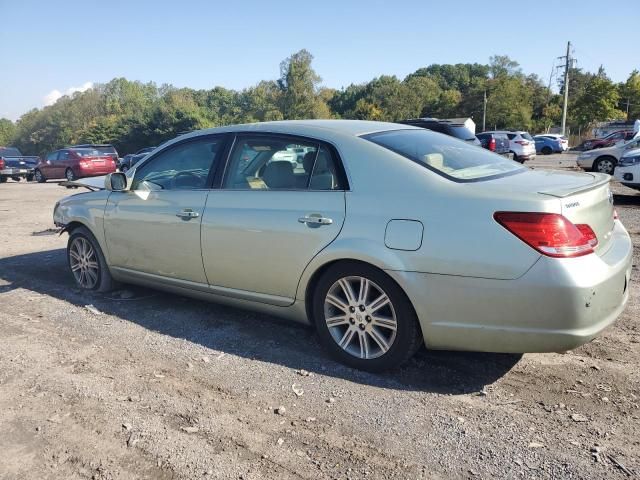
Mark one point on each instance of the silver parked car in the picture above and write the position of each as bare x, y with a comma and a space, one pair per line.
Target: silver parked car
387, 236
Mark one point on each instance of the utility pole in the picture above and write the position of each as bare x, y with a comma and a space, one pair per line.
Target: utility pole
628, 109
484, 112
567, 64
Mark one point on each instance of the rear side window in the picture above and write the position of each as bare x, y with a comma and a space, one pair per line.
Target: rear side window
268, 162
51, 157
449, 157
511, 136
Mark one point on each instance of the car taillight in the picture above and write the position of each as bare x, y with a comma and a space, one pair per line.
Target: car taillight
85, 164
549, 233
1, 162
522, 142
492, 144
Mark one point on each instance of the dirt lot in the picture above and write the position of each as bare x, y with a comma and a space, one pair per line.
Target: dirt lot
157, 386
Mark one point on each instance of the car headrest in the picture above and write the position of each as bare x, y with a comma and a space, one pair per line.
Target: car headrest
435, 160
279, 174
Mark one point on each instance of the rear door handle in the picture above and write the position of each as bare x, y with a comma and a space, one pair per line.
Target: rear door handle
315, 220
187, 214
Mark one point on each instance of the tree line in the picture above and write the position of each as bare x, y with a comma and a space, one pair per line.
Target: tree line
132, 114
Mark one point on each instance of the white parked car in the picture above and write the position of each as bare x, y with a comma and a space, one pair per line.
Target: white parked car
627, 171
521, 144
604, 160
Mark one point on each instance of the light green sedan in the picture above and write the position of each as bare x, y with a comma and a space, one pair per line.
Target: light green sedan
382, 236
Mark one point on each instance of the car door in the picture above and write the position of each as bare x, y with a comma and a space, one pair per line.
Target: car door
154, 227
48, 168
271, 216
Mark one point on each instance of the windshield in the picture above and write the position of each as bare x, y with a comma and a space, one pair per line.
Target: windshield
445, 155
108, 149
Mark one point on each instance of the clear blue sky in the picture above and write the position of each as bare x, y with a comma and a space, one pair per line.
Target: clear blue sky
57, 45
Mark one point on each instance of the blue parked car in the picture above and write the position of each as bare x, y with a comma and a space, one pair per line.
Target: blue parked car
547, 145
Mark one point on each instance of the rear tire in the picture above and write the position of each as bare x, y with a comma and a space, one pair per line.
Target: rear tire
86, 262
69, 175
372, 327
40, 178
29, 178
547, 151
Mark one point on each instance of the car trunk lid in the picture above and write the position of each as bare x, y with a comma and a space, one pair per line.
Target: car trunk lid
589, 202
584, 198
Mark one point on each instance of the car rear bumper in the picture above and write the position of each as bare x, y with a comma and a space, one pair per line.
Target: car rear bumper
559, 304
16, 172
94, 172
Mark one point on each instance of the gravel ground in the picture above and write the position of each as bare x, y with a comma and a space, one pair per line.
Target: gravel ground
151, 385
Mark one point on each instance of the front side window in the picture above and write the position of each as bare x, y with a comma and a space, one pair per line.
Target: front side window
277, 163
447, 156
182, 167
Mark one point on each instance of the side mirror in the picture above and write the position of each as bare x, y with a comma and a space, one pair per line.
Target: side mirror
116, 182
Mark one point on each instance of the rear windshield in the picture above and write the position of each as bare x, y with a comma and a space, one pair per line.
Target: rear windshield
451, 158
87, 152
9, 152
462, 132
108, 149
526, 136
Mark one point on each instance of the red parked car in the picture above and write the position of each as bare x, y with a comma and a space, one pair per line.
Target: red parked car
608, 141
72, 163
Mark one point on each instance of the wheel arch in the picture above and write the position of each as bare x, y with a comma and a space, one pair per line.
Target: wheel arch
313, 278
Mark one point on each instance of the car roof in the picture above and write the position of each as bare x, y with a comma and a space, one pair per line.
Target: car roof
321, 129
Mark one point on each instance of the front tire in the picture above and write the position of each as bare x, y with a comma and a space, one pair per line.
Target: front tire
40, 178
3, 179
364, 318
547, 151
29, 178
86, 262
605, 165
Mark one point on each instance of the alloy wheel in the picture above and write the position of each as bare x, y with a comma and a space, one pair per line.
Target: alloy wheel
605, 166
360, 317
69, 174
84, 263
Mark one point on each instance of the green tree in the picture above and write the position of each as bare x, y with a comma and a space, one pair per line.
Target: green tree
299, 84
597, 101
7, 131
630, 96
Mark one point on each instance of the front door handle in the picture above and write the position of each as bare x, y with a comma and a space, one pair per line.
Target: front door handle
187, 214
315, 220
